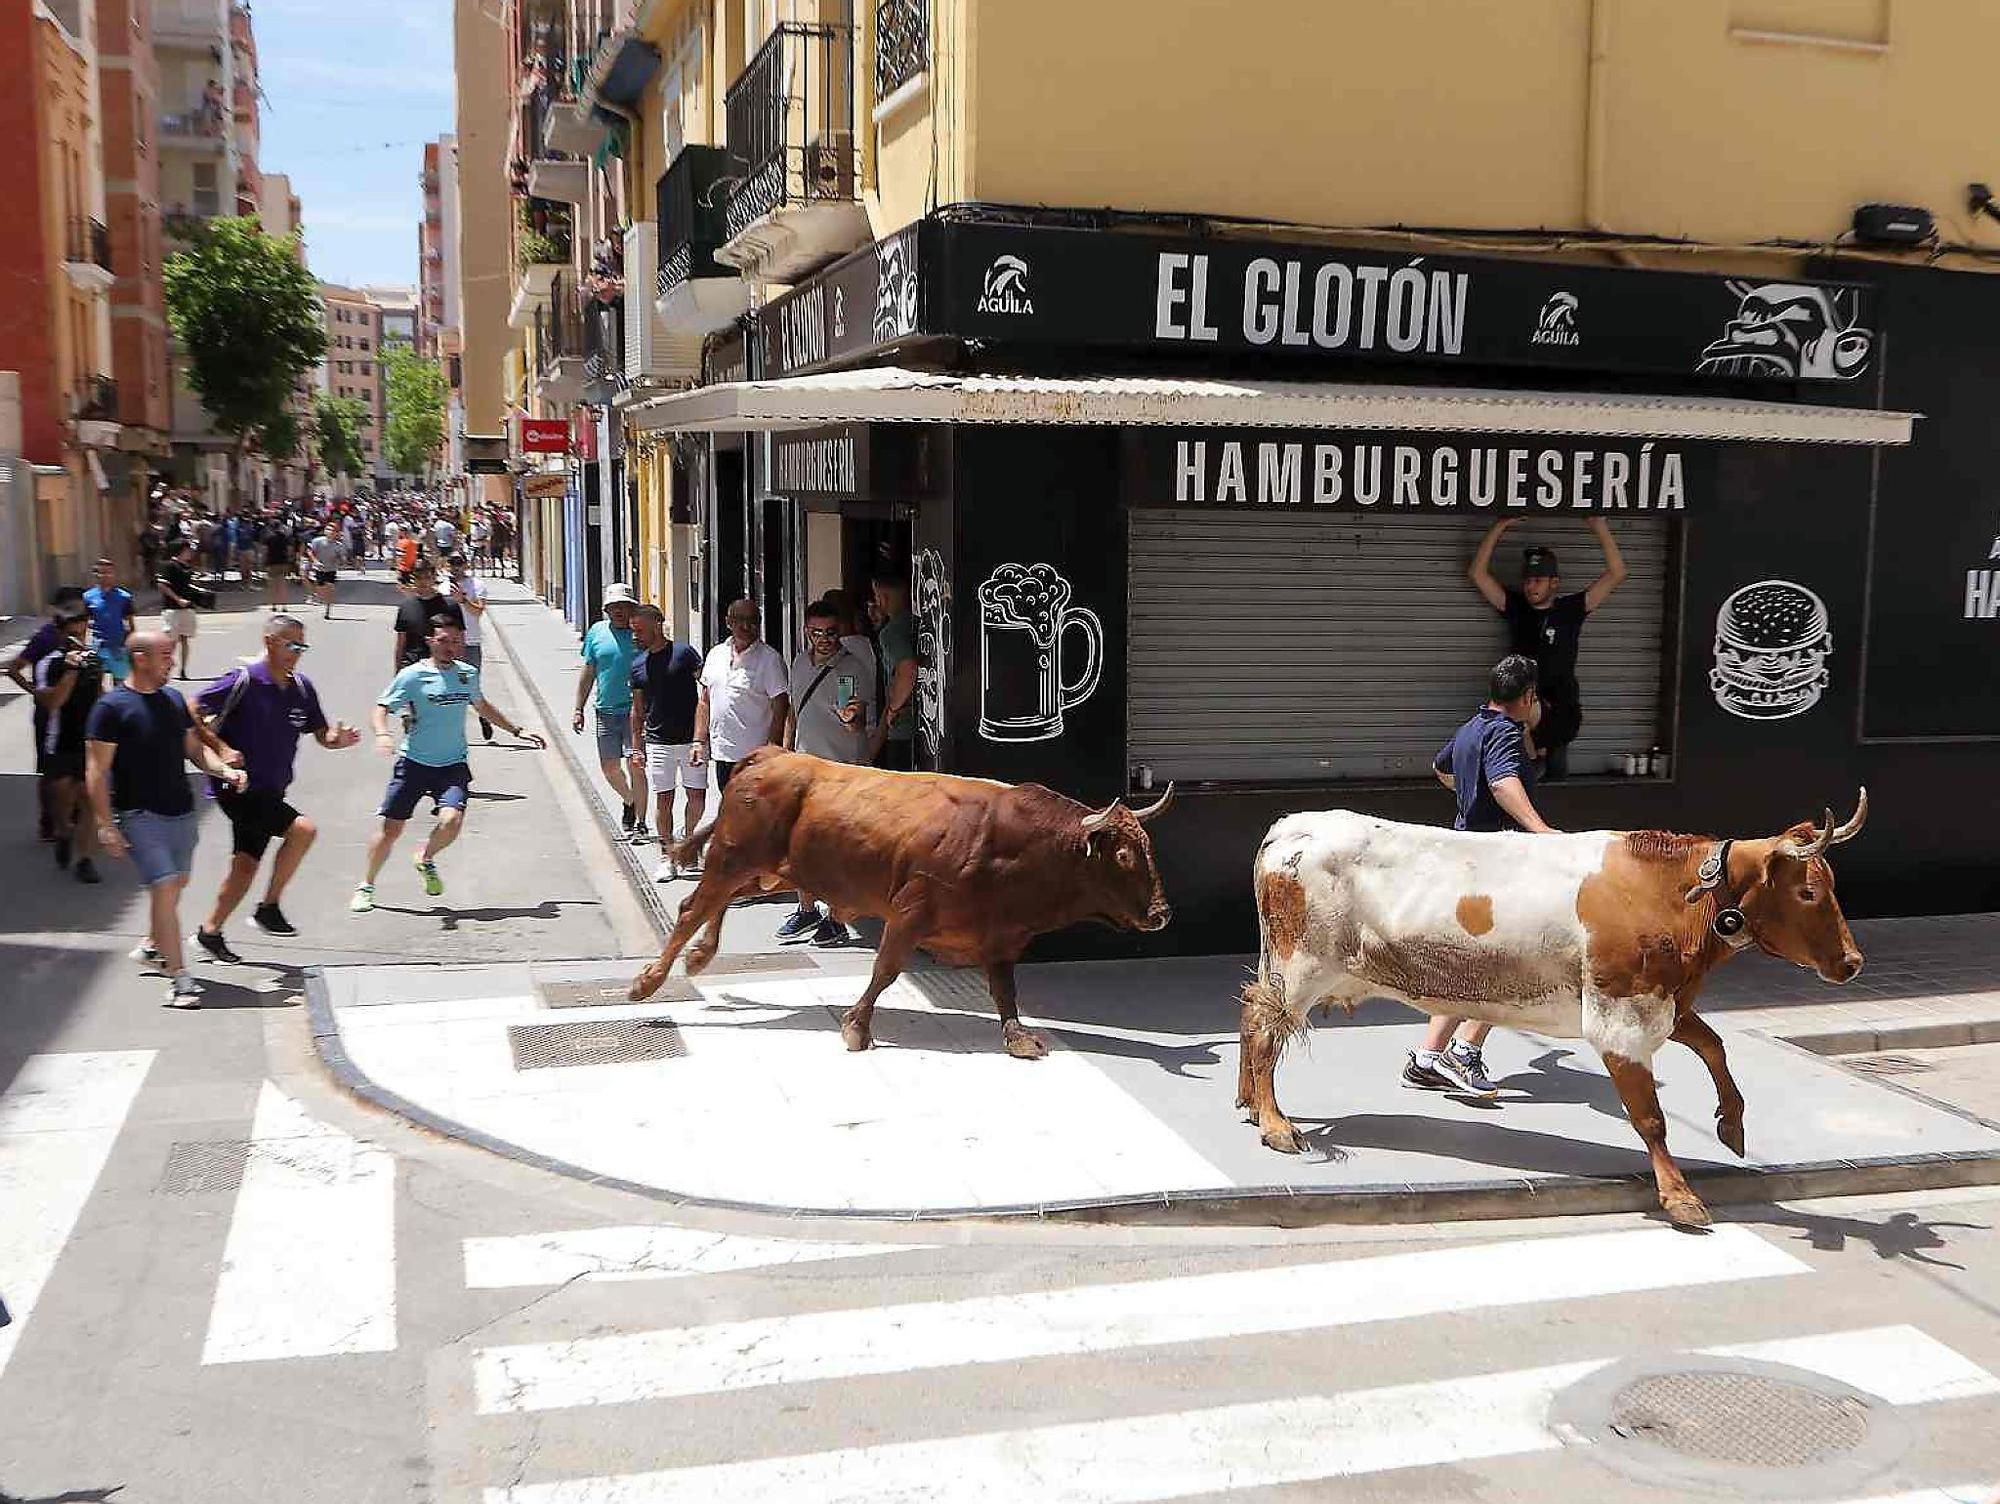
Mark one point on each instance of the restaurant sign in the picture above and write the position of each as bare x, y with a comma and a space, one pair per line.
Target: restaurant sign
1405, 473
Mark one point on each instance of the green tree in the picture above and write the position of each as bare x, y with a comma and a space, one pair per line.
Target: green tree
279, 438
337, 425
417, 393
247, 312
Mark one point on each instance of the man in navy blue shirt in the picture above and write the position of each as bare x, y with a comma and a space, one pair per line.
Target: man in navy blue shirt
1487, 766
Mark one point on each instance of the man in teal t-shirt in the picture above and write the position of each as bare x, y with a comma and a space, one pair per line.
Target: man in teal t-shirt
434, 693
607, 654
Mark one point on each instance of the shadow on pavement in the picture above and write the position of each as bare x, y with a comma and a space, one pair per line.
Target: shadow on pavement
1904, 1235
548, 908
74, 1496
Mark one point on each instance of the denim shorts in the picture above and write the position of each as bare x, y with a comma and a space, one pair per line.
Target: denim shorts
614, 734
162, 845
412, 782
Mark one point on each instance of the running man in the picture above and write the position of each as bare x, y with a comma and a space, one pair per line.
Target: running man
327, 554
261, 710
430, 762
111, 620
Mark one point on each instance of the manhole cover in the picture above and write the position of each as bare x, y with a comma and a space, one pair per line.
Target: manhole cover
1890, 1065
1739, 1418
774, 960
615, 1042
203, 1166
613, 994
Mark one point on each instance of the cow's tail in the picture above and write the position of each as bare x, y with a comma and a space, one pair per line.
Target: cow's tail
1265, 1015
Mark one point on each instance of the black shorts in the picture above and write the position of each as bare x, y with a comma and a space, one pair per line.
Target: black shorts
64, 762
325, 576
256, 818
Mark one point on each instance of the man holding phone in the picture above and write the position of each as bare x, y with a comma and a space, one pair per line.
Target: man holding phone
832, 713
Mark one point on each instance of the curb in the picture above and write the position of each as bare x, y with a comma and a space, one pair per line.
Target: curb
1941, 1035
1263, 1206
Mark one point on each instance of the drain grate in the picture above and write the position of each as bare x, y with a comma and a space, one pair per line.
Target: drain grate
1743, 1419
612, 994
956, 988
772, 960
203, 1167
620, 1041
1890, 1065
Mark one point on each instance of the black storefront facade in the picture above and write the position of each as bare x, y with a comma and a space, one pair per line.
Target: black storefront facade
1199, 510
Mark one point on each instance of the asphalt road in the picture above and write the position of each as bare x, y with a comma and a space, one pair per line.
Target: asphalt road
233, 1283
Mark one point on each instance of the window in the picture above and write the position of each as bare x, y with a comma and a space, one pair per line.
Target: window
902, 43
367, 368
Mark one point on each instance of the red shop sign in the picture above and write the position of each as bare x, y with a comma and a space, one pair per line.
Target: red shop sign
545, 435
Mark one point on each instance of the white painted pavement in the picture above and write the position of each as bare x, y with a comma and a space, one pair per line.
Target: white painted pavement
600, 1254
58, 1120
1232, 1447
997, 1329
309, 1269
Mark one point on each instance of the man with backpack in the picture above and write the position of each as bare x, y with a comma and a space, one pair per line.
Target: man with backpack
261, 709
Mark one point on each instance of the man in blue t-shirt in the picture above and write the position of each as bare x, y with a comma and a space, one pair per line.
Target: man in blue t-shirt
1488, 767
110, 607
430, 762
607, 664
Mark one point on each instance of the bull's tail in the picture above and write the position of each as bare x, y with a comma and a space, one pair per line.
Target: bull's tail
692, 845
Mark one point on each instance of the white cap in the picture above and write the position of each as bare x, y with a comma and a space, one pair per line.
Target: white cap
619, 595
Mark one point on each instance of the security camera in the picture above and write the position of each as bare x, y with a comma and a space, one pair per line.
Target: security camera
1979, 200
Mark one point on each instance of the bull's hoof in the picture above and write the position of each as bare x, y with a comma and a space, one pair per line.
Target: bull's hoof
854, 1035
644, 985
1730, 1131
1686, 1211
1284, 1138
1024, 1046
698, 959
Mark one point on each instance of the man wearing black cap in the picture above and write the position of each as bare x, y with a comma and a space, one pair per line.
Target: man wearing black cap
1547, 626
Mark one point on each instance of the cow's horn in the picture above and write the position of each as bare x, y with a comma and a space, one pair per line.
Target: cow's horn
1816, 845
1157, 807
1096, 818
1852, 828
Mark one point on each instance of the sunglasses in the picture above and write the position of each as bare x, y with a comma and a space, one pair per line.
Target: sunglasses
829, 634
295, 647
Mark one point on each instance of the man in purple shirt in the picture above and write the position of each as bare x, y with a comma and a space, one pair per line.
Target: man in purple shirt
261, 709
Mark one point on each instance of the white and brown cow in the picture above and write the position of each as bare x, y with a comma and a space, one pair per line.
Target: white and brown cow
1605, 937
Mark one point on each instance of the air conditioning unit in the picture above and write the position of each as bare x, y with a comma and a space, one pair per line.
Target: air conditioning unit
829, 166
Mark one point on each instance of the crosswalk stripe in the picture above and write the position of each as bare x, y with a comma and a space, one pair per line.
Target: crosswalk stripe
1257, 1445
1096, 1318
309, 1268
58, 1120
1950, 1493
628, 1253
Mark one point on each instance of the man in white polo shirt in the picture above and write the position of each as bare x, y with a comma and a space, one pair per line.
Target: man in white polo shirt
745, 694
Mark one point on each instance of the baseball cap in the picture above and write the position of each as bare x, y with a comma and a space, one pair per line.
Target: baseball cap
1538, 561
619, 595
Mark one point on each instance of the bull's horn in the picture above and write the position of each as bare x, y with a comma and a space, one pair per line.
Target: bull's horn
1157, 807
1816, 845
1096, 818
1852, 828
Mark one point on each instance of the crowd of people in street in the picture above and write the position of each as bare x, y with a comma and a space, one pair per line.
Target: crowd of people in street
114, 737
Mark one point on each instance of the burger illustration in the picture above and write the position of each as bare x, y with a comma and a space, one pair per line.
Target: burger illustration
1771, 646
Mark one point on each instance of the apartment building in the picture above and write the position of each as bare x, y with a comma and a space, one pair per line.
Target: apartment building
440, 295
353, 364
1184, 437
481, 276
57, 510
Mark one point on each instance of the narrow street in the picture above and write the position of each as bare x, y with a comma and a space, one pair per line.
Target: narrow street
233, 1281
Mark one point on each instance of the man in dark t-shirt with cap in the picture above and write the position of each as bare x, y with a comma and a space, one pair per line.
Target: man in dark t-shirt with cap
1547, 626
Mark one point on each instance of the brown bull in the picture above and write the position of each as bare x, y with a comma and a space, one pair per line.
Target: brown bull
963, 868
1604, 936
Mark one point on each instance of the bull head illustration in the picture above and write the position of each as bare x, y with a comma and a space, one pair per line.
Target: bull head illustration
1784, 329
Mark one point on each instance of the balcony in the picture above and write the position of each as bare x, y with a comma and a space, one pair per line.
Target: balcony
902, 47
604, 350
200, 129
87, 258
625, 63
569, 128
191, 25
792, 151
553, 171
692, 293
559, 352
96, 399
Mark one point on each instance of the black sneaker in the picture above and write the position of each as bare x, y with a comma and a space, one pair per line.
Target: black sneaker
626, 823
640, 833
799, 923
216, 946
1420, 1077
831, 934
86, 871
486, 729
271, 920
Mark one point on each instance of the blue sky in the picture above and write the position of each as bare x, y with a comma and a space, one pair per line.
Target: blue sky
352, 90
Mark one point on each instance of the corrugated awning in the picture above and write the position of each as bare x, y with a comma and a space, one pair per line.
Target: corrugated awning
889, 394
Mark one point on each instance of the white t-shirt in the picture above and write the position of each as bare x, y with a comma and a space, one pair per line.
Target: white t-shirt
470, 589
740, 691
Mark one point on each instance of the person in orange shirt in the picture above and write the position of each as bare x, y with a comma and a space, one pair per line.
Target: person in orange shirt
406, 557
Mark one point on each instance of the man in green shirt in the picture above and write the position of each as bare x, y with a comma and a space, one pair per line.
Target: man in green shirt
895, 736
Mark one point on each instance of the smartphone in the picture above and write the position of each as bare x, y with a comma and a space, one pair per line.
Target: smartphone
843, 691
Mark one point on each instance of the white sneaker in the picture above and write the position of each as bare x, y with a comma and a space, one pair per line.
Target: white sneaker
666, 871
145, 953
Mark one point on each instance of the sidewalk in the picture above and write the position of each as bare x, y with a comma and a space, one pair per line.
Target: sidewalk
734, 1088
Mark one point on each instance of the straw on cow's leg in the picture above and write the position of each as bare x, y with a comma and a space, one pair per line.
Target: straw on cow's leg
1018, 1040
1268, 1026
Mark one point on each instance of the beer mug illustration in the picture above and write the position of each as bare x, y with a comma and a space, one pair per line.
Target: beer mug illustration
1025, 623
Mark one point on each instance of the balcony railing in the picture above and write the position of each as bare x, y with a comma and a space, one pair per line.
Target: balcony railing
603, 349
688, 207
192, 125
96, 399
558, 328
791, 124
89, 242
902, 43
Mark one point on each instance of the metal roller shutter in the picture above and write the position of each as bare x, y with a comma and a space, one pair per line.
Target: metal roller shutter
1273, 648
